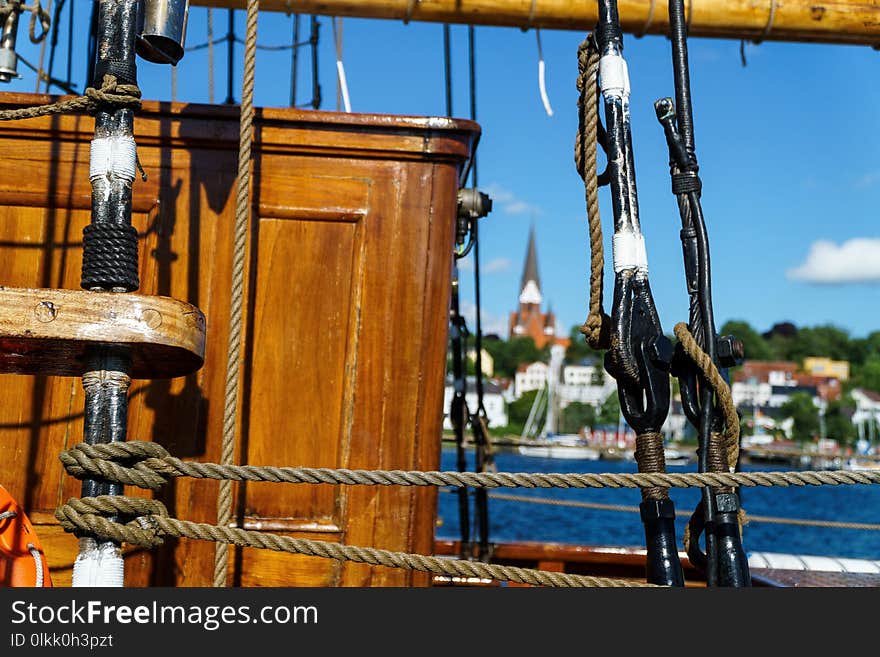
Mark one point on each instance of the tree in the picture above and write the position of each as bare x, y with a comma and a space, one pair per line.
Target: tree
576, 416
867, 375
578, 349
803, 412
508, 355
518, 411
609, 412
756, 348
838, 420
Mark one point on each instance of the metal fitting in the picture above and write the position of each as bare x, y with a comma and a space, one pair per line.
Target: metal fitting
730, 351
8, 58
473, 204
162, 30
660, 351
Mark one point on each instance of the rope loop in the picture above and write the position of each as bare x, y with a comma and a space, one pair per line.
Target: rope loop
41, 15
111, 91
103, 516
134, 463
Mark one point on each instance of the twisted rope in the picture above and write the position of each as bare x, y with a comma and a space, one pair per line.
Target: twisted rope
154, 465
150, 523
242, 216
123, 95
719, 385
596, 328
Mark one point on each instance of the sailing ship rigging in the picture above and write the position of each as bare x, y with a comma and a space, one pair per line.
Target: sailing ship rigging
328, 240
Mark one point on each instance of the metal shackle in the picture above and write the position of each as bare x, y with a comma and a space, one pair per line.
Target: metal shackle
162, 30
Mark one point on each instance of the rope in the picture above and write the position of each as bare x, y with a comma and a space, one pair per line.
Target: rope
598, 324
156, 465
650, 457
6, 515
150, 523
622, 508
211, 55
719, 385
126, 95
242, 215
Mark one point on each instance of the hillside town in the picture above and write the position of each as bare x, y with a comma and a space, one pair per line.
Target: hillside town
822, 395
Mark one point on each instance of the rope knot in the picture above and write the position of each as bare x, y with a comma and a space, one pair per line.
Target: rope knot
597, 330
115, 518
128, 95
135, 463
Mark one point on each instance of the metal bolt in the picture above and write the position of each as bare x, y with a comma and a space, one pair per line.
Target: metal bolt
730, 350
45, 311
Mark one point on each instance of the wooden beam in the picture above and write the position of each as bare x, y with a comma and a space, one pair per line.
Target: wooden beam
840, 21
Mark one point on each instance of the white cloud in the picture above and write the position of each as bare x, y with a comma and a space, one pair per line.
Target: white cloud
510, 203
854, 261
867, 180
494, 266
491, 323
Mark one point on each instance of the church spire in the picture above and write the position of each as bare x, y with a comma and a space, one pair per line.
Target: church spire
530, 285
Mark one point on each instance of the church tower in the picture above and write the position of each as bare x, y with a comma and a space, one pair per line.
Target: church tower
529, 321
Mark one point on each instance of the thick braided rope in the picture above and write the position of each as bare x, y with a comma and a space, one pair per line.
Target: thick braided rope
127, 95
748, 518
719, 385
242, 215
157, 465
151, 523
596, 328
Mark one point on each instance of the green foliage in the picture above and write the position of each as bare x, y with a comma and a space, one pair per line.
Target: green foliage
518, 411
609, 412
575, 416
867, 375
756, 347
578, 349
803, 411
508, 354
838, 420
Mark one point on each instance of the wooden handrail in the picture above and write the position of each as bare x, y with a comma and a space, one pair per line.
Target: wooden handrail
840, 21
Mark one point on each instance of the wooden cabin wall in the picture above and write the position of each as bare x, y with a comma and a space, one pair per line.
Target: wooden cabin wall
347, 306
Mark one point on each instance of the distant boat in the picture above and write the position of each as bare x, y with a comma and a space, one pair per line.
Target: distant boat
677, 456
565, 446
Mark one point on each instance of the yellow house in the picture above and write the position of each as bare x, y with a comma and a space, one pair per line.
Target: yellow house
821, 366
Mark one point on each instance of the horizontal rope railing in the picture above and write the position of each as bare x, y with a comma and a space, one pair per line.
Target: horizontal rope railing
749, 518
148, 465
149, 523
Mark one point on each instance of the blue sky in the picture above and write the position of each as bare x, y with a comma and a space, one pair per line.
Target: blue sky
787, 147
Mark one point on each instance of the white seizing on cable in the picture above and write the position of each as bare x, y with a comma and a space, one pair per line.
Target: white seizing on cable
98, 565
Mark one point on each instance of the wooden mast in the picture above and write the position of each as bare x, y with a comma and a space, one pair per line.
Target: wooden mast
854, 22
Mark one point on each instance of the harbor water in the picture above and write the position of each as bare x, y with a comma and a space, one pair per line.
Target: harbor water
519, 521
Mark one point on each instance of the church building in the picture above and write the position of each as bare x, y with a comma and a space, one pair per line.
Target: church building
529, 321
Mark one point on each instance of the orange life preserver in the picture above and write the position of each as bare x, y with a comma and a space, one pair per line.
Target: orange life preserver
22, 562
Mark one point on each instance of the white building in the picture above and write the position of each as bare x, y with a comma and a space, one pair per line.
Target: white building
530, 377
493, 402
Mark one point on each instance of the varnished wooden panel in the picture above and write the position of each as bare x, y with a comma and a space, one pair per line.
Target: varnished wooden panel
347, 298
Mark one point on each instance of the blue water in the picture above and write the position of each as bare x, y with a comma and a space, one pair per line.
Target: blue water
517, 521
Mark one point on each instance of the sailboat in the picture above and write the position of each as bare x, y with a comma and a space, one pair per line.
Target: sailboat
549, 443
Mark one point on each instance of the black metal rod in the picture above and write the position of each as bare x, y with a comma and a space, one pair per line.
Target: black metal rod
230, 58
458, 408
106, 383
726, 562
294, 60
447, 68
316, 85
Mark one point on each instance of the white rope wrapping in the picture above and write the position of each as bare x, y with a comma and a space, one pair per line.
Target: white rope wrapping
629, 252
98, 565
38, 564
113, 157
614, 77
